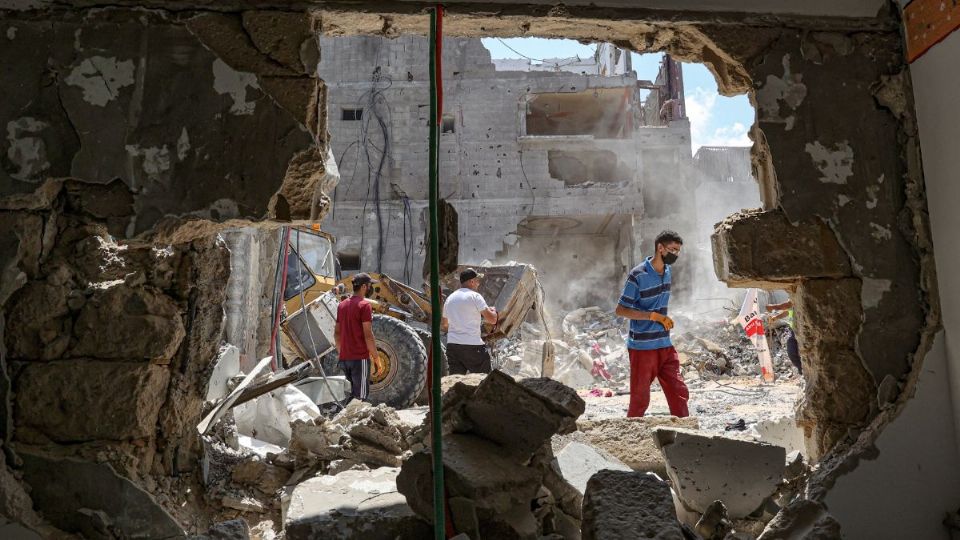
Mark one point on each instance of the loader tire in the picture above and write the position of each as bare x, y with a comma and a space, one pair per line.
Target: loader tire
400, 374
424, 397
399, 377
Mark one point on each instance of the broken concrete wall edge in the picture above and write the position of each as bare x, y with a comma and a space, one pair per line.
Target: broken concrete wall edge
842, 460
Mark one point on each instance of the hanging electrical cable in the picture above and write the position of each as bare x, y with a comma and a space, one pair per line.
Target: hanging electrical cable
436, 112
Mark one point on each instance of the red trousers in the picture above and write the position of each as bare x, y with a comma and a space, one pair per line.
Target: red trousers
663, 365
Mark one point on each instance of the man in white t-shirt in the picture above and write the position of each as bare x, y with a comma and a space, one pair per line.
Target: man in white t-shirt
463, 313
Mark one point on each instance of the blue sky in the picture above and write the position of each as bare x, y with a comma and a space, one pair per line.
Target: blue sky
714, 120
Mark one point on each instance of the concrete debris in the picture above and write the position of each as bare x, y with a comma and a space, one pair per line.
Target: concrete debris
803, 519
234, 529
628, 506
338, 466
592, 350
704, 468
497, 457
256, 473
243, 503
631, 439
92, 500
225, 367
714, 525
269, 416
578, 462
537, 409
353, 504
361, 433
783, 432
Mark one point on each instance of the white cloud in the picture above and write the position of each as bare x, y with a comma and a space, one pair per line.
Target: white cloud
700, 110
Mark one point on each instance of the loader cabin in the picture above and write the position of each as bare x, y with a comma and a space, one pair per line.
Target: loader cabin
311, 267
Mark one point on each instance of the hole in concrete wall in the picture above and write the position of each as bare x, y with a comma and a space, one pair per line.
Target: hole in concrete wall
600, 112
587, 166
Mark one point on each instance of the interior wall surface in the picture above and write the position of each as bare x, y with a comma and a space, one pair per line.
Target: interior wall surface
936, 86
911, 486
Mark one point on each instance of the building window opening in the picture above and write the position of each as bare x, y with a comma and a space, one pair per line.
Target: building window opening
351, 115
349, 262
448, 124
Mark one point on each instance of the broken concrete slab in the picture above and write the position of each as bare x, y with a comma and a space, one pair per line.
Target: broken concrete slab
474, 468
536, 411
578, 462
91, 499
631, 439
629, 506
353, 504
705, 468
782, 431
803, 519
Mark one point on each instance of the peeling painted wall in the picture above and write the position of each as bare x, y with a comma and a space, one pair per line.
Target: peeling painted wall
136, 96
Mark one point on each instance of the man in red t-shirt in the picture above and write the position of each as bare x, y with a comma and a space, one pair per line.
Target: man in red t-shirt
354, 336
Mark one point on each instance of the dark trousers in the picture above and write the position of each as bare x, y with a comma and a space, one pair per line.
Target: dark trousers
664, 366
793, 350
358, 373
464, 359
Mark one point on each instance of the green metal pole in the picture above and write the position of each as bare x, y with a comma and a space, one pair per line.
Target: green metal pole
439, 497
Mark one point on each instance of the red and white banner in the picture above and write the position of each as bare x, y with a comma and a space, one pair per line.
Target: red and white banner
749, 318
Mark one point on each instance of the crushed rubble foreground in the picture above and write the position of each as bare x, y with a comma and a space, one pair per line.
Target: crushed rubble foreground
520, 461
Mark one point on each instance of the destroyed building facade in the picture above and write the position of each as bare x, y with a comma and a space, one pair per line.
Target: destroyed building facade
171, 120
573, 165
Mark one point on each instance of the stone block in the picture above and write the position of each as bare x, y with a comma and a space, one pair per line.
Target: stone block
631, 439
628, 506
755, 248
38, 322
353, 504
474, 468
86, 400
92, 500
129, 323
705, 468
829, 313
519, 418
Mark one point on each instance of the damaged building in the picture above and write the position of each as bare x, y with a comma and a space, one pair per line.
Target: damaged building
135, 134
572, 165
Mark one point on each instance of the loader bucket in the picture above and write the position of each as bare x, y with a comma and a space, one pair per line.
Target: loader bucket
513, 289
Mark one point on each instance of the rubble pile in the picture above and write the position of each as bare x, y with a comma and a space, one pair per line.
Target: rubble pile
361, 434
502, 478
591, 351
256, 478
712, 349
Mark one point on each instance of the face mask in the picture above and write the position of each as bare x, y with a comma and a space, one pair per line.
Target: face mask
670, 257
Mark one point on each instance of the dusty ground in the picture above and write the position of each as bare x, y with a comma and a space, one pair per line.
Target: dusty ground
715, 403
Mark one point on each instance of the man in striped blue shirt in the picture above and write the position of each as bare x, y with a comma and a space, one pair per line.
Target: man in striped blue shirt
652, 356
